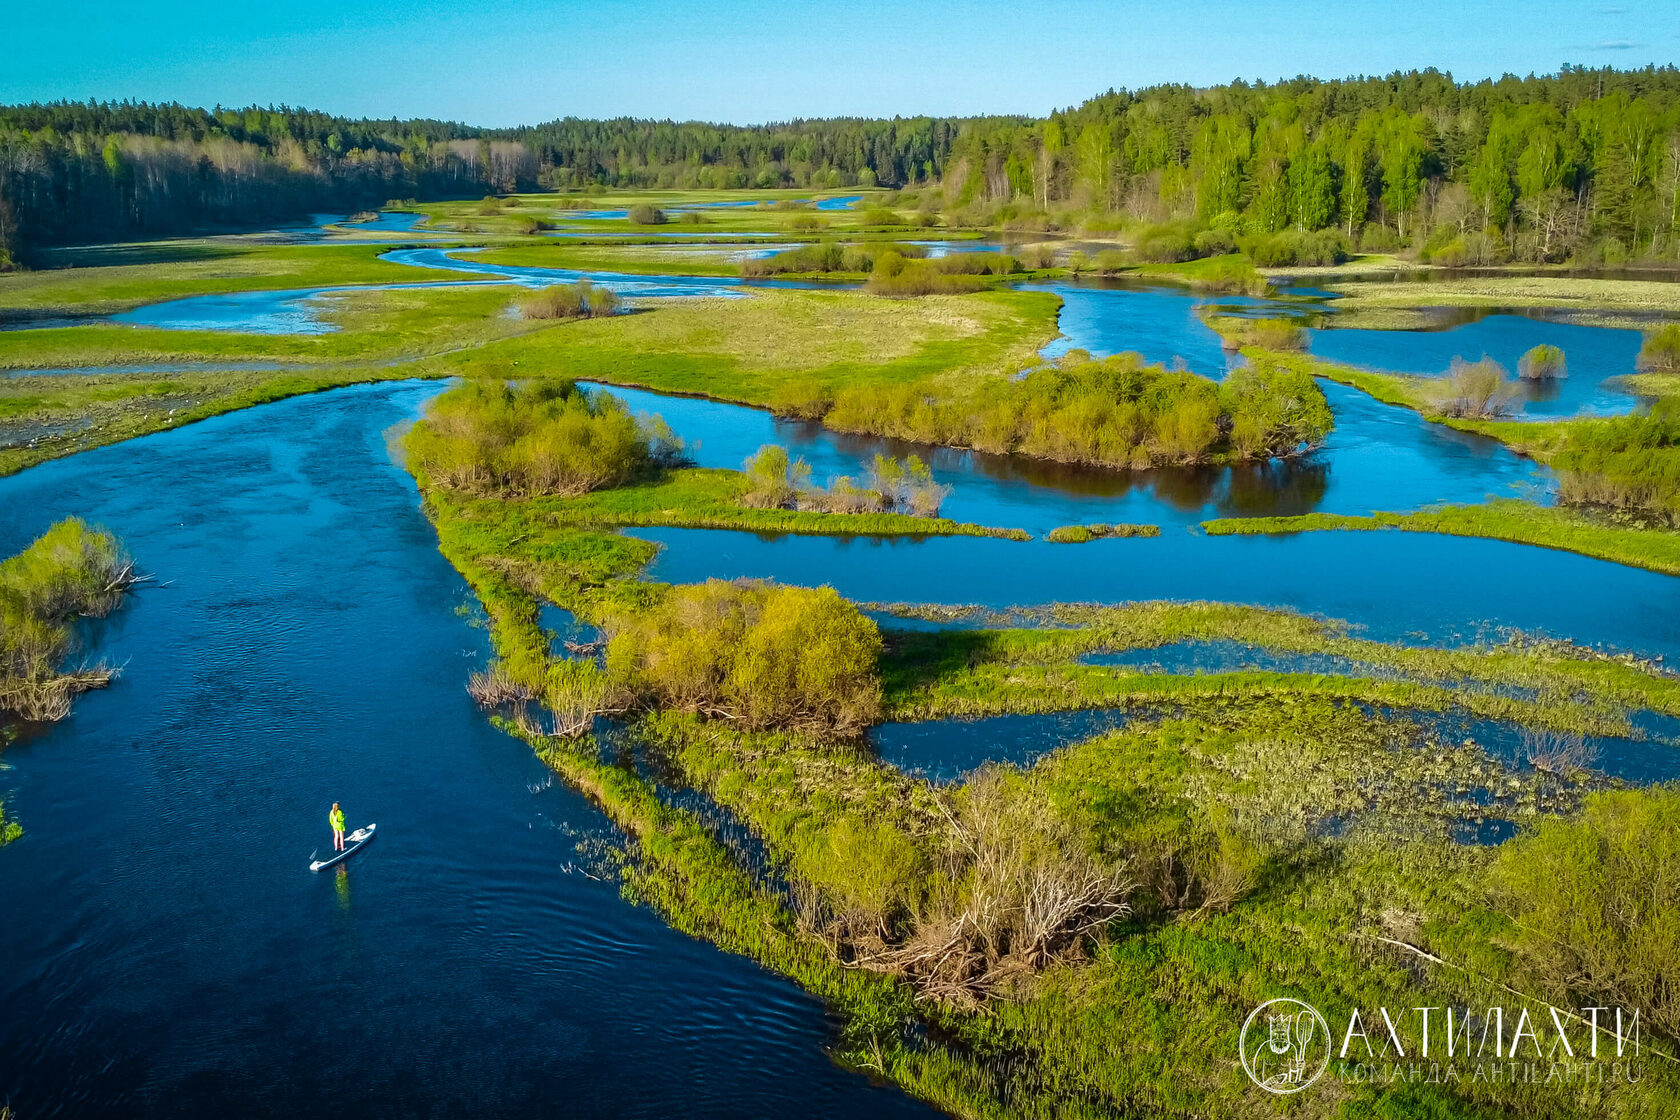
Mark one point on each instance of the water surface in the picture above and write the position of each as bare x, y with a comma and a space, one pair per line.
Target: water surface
167, 952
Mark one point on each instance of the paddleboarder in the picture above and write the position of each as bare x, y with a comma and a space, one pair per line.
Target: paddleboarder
336, 819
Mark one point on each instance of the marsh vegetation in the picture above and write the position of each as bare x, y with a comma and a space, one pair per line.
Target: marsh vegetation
72, 571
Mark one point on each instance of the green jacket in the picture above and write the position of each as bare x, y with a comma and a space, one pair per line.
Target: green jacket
336, 817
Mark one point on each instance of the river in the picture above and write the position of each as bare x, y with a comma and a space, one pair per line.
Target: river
168, 953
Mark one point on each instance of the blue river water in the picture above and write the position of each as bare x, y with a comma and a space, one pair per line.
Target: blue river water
167, 953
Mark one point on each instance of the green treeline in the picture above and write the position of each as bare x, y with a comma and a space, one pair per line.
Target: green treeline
1583, 163
71, 571
74, 172
1116, 412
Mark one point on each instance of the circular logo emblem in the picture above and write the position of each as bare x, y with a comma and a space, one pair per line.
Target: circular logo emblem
1284, 1045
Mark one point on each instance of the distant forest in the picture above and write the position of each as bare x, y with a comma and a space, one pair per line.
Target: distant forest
1581, 165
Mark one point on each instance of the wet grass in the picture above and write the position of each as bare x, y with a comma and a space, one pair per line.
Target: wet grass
170, 270
43, 418
754, 350
711, 499
1520, 522
381, 325
1082, 534
1587, 300
974, 671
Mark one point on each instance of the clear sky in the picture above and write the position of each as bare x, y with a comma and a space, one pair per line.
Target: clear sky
502, 62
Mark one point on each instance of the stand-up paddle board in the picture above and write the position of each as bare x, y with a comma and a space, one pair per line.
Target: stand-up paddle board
352, 844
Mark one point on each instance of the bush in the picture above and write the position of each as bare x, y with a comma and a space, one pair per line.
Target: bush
1165, 244
1661, 350
1215, 243
644, 215
570, 301
894, 276
1289, 248
880, 216
1592, 902
540, 437
1478, 390
757, 654
1543, 363
776, 481
71, 571
1117, 412
1629, 463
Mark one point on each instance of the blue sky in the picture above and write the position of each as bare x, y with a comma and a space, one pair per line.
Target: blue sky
500, 62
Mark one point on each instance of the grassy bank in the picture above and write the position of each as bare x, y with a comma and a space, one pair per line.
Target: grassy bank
1508, 520
754, 350
1582, 299
149, 272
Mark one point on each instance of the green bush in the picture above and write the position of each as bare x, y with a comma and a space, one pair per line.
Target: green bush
1661, 350
1478, 390
1117, 412
1593, 902
759, 655
1165, 244
539, 437
1543, 363
642, 214
1629, 463
570, 301
70, 571
1296, 247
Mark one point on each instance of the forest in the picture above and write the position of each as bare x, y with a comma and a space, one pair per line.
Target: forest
1583, 166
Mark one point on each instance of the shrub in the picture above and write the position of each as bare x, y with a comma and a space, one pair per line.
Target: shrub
1295, 247
1592, 902
773, 479
880, 216
776, 481
894, 276
1629, 463
1661, 350
642, 214
570, 301
802, 400
757, 654
1478, 390
1542, 363
540, 437
1165, 244
1117, 412
692, 218
1215, 243
72, 570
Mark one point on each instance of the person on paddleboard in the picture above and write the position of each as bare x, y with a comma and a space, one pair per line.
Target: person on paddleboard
336, 819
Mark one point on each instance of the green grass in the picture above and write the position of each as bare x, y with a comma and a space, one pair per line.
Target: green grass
752, 350
711, 499
66, 414
171, 270
1081, 534
1604, 302
383, 325
923, 665
1569, 530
